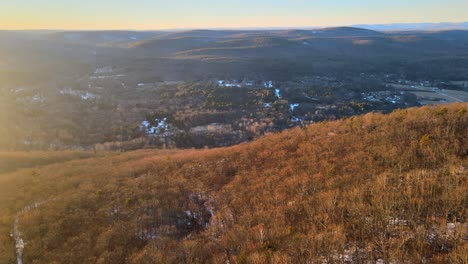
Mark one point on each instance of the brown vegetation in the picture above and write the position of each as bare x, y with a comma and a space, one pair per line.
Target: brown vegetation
370, 188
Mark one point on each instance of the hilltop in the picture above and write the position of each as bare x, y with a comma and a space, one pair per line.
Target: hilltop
378, 188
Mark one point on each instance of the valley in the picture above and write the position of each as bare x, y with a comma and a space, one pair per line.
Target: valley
126, 90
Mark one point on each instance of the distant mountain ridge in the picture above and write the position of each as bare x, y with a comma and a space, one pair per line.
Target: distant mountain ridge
273, 54
415, 26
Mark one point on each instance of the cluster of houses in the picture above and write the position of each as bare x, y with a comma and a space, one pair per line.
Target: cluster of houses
415, 83
158, 127
84, 95
267, 84
222, 83
393, 99
105, 73
37, 99
234, 83
381, 96
103, 70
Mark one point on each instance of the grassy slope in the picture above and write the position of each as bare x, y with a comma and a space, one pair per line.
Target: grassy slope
11, 161
329, 190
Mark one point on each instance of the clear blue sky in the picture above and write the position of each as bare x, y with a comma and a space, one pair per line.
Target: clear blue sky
158, 14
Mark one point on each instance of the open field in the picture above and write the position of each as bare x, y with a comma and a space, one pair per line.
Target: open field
434, 95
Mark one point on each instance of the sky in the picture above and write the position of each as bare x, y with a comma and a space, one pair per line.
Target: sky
185, 14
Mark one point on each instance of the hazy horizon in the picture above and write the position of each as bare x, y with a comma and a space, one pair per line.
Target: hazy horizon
376, 26
206, 14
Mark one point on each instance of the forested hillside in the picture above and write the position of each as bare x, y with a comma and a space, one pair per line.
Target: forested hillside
373, 188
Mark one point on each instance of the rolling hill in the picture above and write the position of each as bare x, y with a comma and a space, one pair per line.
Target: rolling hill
232, 53
201, 54
374, 188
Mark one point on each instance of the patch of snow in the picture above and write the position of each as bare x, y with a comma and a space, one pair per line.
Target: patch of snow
232, 85
222, 83
114, 211
347, 258
17, 90
83, 95
397, 221
211, 210
88, 96
452, 228
394, 99
371, 98
293, 106
268, 84
68, 91
278, 93
296, 119
104, 70
16, 235
145, 124
37, 99
151, 130
148, 234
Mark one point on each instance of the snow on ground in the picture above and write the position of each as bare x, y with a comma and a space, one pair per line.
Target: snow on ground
82, 94
293, 106
397, 221
100, 77
296, 119
371, 98
17, 90
69, 91
16, 235
145, 124
223, 83
104, 70
37, 99
145, 234
88, 96
268, 84
278, 93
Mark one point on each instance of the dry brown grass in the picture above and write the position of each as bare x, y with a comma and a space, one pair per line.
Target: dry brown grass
365, 188
10, 161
